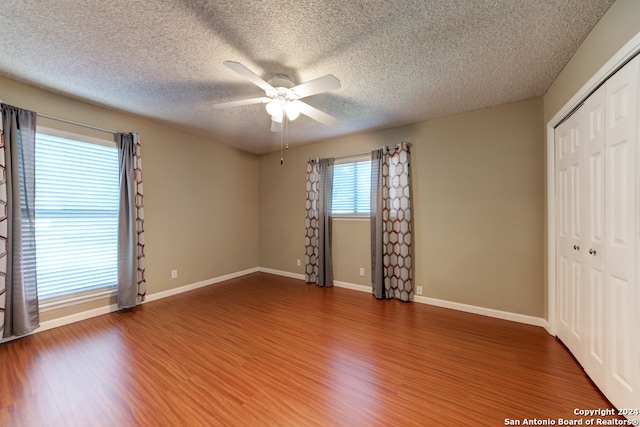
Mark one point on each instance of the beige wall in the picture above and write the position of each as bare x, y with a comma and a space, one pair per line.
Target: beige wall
478, 207
201, 197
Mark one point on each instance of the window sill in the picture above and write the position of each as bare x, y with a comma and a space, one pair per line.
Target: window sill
351, 217
58, 303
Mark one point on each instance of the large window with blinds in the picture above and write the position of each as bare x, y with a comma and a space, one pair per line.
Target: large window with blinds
352, 189
76, 202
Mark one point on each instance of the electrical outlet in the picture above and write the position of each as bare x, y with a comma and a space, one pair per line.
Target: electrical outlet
174, 274
362, 272
298, 262
418, 290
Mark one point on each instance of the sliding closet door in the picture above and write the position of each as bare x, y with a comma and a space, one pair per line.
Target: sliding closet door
623, 297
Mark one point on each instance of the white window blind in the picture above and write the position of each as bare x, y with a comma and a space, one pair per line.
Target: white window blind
77, 197
352, 188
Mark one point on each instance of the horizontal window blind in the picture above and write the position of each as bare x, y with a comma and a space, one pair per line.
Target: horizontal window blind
351, 188
77, 198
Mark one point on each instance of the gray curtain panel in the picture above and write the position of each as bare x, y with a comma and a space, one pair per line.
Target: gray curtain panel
131, 288
391, 223
21, 313
325, 196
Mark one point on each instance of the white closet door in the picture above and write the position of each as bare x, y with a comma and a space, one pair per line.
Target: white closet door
622, 121
569, 178
593, 295
598, 241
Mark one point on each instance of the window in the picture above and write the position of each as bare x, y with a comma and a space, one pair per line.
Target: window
352, 188
77, 198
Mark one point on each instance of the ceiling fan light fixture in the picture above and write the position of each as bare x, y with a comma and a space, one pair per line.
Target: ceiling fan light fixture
292, 111
280, 106
277, 118
274, 108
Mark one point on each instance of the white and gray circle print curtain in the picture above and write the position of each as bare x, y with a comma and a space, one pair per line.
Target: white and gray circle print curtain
391, 223
318, 262
131, 269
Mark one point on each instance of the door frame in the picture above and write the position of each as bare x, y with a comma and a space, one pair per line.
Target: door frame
621, 57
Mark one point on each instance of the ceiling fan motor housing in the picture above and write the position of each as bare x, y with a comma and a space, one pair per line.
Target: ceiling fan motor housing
281, 81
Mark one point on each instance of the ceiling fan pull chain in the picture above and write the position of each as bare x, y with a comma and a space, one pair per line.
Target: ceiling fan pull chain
286, 135
282, 129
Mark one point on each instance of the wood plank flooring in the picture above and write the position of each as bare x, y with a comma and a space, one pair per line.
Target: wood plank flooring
267, 350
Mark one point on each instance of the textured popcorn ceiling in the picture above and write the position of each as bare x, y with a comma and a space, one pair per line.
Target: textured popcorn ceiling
398, 61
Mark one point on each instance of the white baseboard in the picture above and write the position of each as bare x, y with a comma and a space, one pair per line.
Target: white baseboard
352, 286
66, 320
281, 273
498, 314
520, 318
299, 276
192, 286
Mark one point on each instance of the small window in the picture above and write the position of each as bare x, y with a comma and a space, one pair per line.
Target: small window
352, 189
77, 199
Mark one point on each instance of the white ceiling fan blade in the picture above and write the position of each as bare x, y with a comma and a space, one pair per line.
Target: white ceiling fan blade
261, 100
315, 114
248, 74
275, 126
319, 85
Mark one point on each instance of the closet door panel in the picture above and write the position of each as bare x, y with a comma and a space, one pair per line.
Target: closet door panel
570, 187
621, 199
622, 370
597, 335
594, 302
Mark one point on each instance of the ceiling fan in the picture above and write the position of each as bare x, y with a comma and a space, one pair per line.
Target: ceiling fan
283, 96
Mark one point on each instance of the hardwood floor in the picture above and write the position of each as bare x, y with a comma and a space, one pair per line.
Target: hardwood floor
268, 350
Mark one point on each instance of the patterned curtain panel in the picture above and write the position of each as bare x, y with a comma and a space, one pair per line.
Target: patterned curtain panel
318, 260
311, 222
391, 239
131, 270
18, 285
